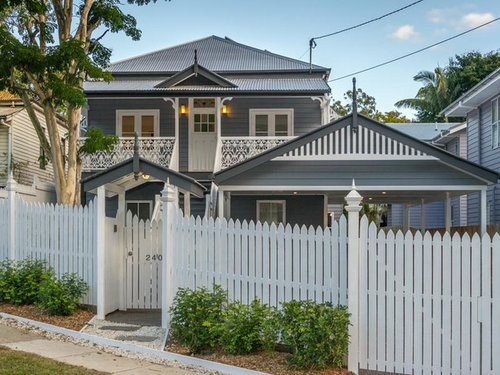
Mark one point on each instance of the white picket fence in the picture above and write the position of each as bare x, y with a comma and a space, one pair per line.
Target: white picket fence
251, 260
429, 304
64, 236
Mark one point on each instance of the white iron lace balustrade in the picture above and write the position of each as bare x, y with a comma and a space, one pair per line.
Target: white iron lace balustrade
237, 149
156, 149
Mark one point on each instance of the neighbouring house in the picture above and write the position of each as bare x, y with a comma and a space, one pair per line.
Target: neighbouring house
248, 134
21, 154
481, 105
448, 136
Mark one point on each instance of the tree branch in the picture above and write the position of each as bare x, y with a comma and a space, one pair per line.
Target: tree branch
28, 105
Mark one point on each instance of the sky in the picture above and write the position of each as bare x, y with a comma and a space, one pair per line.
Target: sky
285, 27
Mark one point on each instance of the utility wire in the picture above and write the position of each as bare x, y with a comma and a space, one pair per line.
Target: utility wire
312, 41
414, 52
367, 22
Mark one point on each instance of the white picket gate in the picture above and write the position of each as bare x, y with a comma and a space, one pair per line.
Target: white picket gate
429, 304
143, 251
271, 263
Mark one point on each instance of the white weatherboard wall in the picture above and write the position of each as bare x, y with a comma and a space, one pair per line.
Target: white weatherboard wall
64, 236
272, 263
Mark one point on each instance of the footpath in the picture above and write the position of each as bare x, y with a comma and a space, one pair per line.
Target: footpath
67, 352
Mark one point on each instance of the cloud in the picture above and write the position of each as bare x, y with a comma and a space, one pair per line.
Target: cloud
475, 19
405, 32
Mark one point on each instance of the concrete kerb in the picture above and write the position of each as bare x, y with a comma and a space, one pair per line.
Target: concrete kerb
182, 359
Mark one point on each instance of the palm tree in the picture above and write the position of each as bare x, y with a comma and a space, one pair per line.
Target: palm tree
432, 98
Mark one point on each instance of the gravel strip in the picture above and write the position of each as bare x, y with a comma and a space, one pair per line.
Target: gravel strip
116, 351
150, 336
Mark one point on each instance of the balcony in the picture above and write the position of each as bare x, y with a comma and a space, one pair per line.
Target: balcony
233, 150
159, 150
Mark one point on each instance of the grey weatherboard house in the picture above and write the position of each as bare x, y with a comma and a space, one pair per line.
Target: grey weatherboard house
249, 134
480, 105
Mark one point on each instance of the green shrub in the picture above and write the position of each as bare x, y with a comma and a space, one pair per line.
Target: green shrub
316, 333
195, 317
247, 328
20, 281
61, 296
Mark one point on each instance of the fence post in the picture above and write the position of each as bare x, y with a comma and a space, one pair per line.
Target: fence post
12, 201
168, 199
101, 248
353, 207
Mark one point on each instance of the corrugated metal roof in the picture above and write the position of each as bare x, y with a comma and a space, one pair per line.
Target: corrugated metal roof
242, 84
425, 131
214, 53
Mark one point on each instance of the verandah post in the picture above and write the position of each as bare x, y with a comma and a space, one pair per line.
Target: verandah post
167, 297
353, 207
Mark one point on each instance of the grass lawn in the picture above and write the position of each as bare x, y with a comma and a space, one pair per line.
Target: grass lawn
14, 362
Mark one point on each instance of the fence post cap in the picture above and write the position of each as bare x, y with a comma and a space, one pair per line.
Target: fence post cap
168, 193
353, 199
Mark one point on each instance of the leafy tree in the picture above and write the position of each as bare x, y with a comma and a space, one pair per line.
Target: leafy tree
466, 70
391, 116
48, 48
443, 86
431, 98
367, 106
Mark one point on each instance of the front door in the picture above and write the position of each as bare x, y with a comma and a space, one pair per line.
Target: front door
202, 135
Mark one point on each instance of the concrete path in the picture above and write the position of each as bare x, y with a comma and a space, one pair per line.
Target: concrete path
73, 354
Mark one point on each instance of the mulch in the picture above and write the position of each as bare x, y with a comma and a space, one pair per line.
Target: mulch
76, 321
270, 362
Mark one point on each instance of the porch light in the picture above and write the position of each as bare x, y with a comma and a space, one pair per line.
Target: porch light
384, 192
145, 176
370, 198
295, 193
224, 109
183, 109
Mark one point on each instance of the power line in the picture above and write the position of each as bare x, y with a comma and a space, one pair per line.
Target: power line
367, 22
414, 52
312, 41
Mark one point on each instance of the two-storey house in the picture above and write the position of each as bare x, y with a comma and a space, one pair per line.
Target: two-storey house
481, 106
252, 130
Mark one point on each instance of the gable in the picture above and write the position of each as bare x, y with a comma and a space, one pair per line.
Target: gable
195, 75
369, 140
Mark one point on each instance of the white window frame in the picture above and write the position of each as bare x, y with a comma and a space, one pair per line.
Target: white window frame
271, 112
137, 113
495, 143
282, 201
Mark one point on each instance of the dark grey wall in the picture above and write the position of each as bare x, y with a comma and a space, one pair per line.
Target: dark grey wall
300, 209
102, 113
307, 114
144, 192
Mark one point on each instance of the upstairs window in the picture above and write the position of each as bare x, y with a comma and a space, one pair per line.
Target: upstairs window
271, 122
143, 122
495, 104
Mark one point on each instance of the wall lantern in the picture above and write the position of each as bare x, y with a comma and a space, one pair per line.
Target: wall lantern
183, 109
224, 109
145, 176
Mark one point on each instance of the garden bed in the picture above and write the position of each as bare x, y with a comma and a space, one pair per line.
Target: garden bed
270, 362
76, 321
